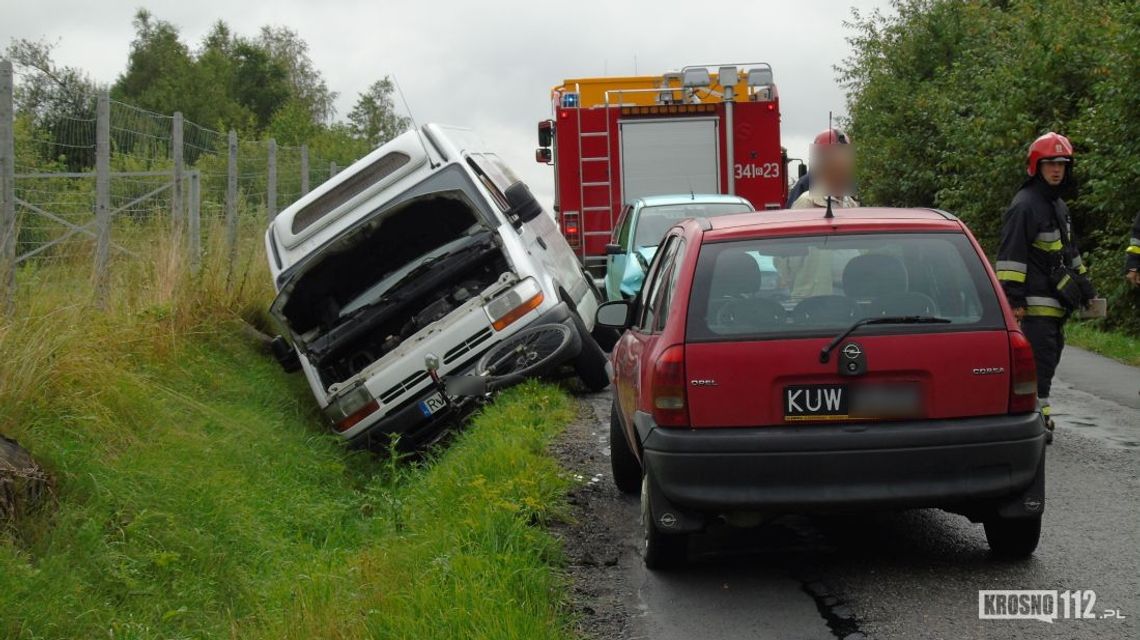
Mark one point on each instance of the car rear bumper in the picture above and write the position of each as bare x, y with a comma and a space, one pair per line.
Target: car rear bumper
944, 463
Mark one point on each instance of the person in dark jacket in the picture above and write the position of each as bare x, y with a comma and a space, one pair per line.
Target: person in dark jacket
1039, 264
1132, 255
802, 186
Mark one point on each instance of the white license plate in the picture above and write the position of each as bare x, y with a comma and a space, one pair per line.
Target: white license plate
432, 404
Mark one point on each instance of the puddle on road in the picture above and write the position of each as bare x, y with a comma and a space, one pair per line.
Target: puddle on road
1112, 424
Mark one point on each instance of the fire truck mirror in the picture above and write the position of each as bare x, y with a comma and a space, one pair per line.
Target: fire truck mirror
802, 170
523, 205
545, 133
542, 155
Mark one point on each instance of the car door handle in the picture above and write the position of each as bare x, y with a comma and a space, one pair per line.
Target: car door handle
541, 243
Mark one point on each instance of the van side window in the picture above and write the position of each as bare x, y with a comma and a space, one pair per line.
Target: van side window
494, 175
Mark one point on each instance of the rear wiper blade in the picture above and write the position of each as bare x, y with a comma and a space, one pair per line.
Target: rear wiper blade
825, 353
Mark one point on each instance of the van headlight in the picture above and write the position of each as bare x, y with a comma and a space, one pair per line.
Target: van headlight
523, 298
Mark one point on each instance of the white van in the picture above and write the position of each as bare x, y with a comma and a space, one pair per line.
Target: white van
428, 245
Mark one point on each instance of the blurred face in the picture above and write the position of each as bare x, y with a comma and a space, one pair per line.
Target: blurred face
835, 168
1053, 171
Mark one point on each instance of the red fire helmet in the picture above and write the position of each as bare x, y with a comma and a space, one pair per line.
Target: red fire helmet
1048, 147
832, 136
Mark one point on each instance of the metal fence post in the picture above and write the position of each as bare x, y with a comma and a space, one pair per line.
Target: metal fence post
231, 207
179, 158
8, 228
102, 196
271, 186
304, 169
195, 221
332, 169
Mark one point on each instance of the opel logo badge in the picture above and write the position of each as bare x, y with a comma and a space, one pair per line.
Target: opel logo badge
852, 351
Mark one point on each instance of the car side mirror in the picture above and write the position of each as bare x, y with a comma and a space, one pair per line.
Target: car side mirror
617, 314
614, 250
522, 205
545, 133
285, 354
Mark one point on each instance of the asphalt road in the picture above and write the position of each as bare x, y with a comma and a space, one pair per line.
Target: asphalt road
906, 575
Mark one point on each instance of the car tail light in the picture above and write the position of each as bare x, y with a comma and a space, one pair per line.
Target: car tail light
668, 388
514, 304
571, 230
1023, 375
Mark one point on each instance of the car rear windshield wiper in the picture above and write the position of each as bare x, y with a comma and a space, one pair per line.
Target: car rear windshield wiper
825, 353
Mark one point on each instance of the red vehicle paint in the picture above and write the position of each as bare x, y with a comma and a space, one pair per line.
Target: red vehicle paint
727, 401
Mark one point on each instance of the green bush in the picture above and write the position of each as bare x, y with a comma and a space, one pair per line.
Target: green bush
945, 96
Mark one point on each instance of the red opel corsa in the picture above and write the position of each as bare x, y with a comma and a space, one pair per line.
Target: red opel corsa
794, 362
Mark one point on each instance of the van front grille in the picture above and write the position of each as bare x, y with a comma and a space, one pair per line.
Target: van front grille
403, 387
467, 345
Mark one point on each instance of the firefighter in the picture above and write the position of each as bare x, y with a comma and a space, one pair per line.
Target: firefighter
1132, 255
1039, 264
832, 173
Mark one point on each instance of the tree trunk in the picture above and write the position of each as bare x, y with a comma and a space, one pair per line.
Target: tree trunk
23, 483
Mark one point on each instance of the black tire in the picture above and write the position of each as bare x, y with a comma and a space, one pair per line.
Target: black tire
662, 551
528, 353
590, 363
624, 464
1013, 537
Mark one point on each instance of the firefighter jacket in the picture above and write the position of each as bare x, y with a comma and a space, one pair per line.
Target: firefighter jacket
1032, 244
1132, 253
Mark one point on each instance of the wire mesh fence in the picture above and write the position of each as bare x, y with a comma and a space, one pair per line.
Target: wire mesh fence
105, 177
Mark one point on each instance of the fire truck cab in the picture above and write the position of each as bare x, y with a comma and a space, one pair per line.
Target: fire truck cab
703, 129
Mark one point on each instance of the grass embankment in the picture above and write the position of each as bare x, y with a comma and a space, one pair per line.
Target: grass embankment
1113, 344
198, 496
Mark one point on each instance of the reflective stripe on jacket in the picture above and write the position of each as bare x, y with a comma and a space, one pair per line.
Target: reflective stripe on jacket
1031, 245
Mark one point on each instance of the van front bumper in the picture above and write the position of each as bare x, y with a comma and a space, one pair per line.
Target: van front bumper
965, 465
416, 430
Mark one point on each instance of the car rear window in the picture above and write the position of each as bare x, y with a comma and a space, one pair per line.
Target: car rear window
655, 220
819, 285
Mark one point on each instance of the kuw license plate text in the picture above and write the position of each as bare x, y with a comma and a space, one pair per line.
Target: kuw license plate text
851, 402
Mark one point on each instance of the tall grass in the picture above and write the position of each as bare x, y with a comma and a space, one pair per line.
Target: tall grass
199, 496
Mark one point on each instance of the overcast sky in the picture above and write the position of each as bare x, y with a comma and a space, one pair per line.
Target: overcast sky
489, 65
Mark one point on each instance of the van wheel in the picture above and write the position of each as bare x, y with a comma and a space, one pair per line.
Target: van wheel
1013, 537
625, 466
662, 551
590, 363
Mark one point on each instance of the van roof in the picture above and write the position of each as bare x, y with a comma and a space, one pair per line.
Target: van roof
801, 221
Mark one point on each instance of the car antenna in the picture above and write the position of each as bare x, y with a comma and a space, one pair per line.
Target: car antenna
829, 214
415, 127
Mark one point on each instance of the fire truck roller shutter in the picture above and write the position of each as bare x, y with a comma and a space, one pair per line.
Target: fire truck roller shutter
669, 156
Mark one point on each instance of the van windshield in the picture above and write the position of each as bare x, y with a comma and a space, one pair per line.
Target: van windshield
819, 285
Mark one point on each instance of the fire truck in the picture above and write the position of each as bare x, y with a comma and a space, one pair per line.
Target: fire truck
703, 129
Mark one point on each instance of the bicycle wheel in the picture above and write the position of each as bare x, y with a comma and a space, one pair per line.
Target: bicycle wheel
527, 353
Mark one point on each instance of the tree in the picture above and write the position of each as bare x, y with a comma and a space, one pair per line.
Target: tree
945, 96
159, 67
287, 48
53, 100
374, 118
